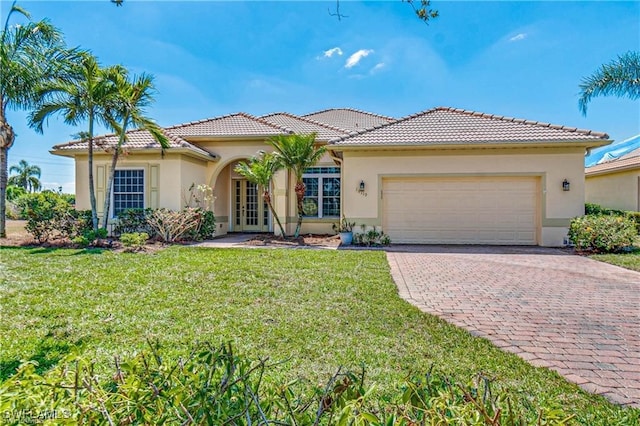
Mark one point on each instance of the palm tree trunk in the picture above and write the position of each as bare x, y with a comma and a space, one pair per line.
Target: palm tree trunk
112, 175
7, 137
92, 192
299, 189
107, 196
267, 197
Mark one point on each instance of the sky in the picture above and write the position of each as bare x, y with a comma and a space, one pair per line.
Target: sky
210, 58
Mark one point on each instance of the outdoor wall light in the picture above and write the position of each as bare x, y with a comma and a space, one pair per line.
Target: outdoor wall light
566, 186
361, 186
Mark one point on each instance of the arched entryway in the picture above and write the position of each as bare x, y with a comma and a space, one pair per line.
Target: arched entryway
238, 203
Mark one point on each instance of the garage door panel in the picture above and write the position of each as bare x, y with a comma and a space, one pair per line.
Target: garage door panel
471, 210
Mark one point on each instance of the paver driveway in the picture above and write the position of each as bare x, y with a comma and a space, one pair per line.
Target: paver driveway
574, 315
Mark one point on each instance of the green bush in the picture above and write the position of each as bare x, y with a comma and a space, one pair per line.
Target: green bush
371, 237
206, 227
49, 215
14, 192
134, 241
602, 233
214, 386
635, 217
133, 220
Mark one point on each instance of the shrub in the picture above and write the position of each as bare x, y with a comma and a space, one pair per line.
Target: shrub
134, 241
14, 192
602, 233
635, 217
133, 220
596, 209
172, 226
214, 386
371, 237
50, 215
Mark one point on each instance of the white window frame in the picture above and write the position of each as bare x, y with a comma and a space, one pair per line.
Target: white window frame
320, 177
144, 189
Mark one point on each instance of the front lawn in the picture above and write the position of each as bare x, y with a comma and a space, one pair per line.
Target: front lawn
626, 260
316, 309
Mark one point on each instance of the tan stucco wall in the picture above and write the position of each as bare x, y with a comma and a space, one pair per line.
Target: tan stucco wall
175, 173
551, 165
615, 190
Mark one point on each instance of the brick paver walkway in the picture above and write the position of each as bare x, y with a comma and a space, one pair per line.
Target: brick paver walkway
571, 314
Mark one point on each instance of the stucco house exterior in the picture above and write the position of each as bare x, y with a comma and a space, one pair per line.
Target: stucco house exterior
615, 184
443, 175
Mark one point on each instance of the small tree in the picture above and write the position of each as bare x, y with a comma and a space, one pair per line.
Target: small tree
29, 55
260, 171
27, 177
85, 97
128, 108
297, 153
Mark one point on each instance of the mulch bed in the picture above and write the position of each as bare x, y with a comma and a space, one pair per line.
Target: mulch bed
309, 240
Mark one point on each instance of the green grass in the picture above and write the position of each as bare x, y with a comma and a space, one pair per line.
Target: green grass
315, 309
626, 260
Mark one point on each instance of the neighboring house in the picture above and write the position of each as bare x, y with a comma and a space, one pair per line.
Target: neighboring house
440, 176
616, 183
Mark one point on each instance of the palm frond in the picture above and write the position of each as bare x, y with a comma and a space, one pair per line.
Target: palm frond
620, 77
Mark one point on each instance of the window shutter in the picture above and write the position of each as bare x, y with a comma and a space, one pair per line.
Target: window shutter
154, 186
101, 179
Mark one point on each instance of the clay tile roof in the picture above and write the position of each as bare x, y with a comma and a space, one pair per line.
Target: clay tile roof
630, 160
136, 139
238, 125
349, 119
450, 126
304, 125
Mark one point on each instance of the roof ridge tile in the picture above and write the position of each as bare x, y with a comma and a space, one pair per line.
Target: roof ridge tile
308, 120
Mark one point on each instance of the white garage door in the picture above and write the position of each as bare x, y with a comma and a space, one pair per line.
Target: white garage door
456, 210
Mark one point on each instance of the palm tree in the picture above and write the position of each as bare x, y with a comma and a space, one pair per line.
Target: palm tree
27, 177
29, 54
620, 77
128, 108
260, 171
85, 96
297, 153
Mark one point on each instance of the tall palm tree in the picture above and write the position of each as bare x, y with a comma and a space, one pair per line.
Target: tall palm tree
620, 77
260, 171
297, 153
29, 54
127, 109
85, 96
27, 177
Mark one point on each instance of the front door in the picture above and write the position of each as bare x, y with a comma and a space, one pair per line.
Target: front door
250, 210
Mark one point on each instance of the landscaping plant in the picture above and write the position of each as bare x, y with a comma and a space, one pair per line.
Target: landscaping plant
212, 385
602, 233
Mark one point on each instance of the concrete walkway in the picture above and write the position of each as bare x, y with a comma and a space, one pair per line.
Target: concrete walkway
571, 314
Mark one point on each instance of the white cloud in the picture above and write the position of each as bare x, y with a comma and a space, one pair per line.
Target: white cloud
335, 50
518, 37
356, 57
377, 67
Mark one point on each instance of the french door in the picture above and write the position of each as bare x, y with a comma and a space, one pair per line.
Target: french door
251, 213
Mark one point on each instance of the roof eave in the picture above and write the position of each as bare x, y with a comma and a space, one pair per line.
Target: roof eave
614, 169
186, 151
579, 143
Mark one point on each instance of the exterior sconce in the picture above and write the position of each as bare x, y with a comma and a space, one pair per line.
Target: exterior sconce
566, 186
361, 187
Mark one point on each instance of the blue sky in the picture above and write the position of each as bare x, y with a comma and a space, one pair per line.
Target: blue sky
522, 59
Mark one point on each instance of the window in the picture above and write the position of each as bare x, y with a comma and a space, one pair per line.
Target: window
128, 190
322, 194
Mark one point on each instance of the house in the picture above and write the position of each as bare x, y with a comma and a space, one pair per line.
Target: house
444, 175
615, 184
